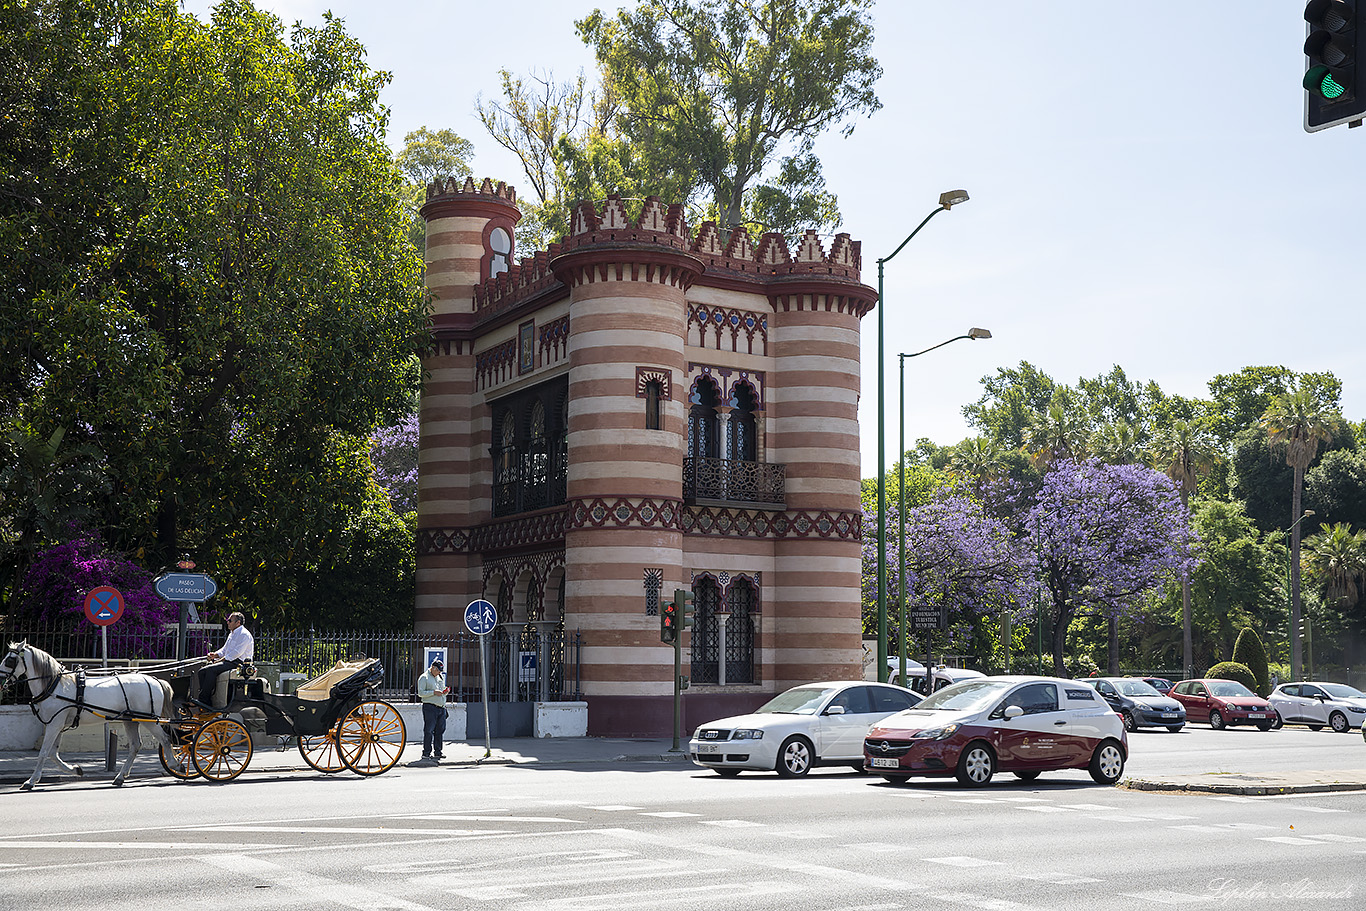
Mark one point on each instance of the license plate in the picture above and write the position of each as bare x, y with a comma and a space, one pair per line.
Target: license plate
709, 748
1169, 715
1256, 715
886, 762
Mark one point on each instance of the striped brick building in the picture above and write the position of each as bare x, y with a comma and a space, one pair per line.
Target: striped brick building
637, 409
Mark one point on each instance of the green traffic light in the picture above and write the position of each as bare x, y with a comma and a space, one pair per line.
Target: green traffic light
1320, 79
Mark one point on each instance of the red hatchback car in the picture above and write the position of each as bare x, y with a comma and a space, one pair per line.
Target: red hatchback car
1223, 703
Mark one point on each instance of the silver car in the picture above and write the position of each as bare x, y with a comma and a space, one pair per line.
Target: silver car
1318, 705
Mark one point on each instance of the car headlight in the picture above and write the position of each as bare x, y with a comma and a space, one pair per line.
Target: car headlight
747, 734
1357, 709
936, 733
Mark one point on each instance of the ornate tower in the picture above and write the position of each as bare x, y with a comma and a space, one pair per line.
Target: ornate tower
469, 240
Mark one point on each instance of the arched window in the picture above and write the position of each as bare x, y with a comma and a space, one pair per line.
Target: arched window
560, 470
505, 463
653, 393
703, 423
500, 243
741, 445
538, 460
739, 644
705, 644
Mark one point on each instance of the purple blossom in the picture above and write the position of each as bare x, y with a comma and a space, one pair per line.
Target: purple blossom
393, 450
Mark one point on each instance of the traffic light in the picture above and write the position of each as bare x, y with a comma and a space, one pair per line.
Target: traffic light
668, 621
683, 598
1334, 90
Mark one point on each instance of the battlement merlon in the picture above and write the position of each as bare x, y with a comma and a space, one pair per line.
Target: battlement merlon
447, 196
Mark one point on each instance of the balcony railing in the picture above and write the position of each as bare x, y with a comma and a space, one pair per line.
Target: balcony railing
734, 481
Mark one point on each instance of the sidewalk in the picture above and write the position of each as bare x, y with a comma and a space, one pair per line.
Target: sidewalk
17, 765
1253, 784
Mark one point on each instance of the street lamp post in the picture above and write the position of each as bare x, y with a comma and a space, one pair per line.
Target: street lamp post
947, 201
903, 599
1292, 595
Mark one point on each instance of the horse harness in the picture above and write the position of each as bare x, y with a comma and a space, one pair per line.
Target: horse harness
49, 692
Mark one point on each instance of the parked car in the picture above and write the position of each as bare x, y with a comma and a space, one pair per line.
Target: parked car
1337, 705
1139, 704
1023, 725
1223, 703
813, 724
1161, 684
915, 675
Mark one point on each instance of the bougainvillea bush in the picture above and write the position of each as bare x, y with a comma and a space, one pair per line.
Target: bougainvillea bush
52, 599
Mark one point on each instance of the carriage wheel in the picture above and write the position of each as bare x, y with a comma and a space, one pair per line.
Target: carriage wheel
320, 751
182, 740
222, 749
371, 738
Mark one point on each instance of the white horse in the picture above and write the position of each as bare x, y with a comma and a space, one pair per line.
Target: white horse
135, 699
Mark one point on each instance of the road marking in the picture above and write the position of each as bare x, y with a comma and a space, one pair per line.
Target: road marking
613, 808
347, 830
147, 845
959, 860
800, 833
1045, 809
980, 901
1341, 838
733, 824
657, 897
1088, 806
671, 815
1023, 799
314, 888
876, 847
973, 799
1061, 879
1290, 840
462, 818
1167, 897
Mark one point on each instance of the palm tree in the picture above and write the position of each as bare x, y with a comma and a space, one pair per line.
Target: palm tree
1055, 434
1118, 443
1300, 421
1337, 555
977, 459
1185, 452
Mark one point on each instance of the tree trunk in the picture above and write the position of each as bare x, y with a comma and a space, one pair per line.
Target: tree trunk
1295, 516
1114, 647
1187, 650
1062, 622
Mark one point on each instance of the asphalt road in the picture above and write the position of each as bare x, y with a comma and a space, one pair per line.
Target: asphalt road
667, 835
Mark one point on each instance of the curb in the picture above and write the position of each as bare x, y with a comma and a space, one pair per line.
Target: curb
1262, 789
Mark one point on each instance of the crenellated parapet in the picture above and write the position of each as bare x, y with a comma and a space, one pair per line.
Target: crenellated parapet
734, 259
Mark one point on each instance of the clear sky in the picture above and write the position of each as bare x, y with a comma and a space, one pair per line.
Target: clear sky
1143, 192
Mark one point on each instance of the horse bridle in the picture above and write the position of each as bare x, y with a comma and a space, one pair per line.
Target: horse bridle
11, 663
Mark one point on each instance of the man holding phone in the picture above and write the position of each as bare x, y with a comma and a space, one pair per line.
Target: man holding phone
432, 690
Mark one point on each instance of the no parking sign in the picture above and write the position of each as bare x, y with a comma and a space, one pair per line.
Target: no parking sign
104, 605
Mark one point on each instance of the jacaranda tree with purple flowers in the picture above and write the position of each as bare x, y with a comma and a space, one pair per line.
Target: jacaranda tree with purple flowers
393, 449
1104, 536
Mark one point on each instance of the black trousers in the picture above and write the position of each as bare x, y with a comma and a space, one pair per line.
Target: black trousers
208, 677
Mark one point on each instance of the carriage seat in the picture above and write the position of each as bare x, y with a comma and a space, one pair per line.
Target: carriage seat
243, 672
320, 687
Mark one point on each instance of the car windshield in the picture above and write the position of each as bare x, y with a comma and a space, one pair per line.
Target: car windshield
803, 700
1228, 688
965, 696
1135, 688
1342, 691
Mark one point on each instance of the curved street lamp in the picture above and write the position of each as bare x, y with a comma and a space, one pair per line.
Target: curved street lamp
947, 200
903, 598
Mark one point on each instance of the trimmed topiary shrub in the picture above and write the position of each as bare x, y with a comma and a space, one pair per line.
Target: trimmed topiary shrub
1250, 651
1232, 670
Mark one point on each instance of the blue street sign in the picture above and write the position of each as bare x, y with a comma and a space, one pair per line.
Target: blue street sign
480, 617
186, 587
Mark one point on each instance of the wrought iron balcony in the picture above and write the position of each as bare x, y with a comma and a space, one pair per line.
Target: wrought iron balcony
734, 482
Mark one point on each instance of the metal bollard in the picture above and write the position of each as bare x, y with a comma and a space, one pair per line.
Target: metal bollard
111, 748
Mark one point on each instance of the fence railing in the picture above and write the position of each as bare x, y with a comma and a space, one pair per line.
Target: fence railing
512, 677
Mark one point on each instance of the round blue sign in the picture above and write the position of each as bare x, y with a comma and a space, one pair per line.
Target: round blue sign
480, 617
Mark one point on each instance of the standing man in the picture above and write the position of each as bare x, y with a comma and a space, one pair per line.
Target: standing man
237, 651
432, 690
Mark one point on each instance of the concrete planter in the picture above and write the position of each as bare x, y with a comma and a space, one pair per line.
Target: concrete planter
560, 719
411, 712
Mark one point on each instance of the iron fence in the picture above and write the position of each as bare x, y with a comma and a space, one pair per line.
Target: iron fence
309, 653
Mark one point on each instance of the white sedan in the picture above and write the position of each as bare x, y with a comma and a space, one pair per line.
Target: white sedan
1336, 705
813, 724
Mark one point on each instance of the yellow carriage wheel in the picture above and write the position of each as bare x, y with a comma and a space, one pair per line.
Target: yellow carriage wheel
180, 763
371, 737
320, 751
222, 749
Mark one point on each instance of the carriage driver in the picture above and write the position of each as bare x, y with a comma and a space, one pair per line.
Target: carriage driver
236, 651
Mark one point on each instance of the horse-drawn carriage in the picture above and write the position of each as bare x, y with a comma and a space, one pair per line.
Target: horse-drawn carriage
336, 719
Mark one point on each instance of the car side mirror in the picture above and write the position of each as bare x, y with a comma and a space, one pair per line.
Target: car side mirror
1012, 711
835, 710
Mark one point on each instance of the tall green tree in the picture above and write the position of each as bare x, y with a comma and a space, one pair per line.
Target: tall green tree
426, 156
1185, 452
1336, 557
233, 304
733, 93
1300, 421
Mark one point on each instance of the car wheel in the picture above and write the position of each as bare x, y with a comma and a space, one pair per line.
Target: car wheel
1026, 776
1315, 727
858, 767
727, 773
976, 765
1216, 720
1130, 722
1278, 722
794, 757
1265, 725
1107, 763
896, 779
1175, 728
1339, 723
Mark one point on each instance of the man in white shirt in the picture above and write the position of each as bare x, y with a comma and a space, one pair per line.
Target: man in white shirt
236, 651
